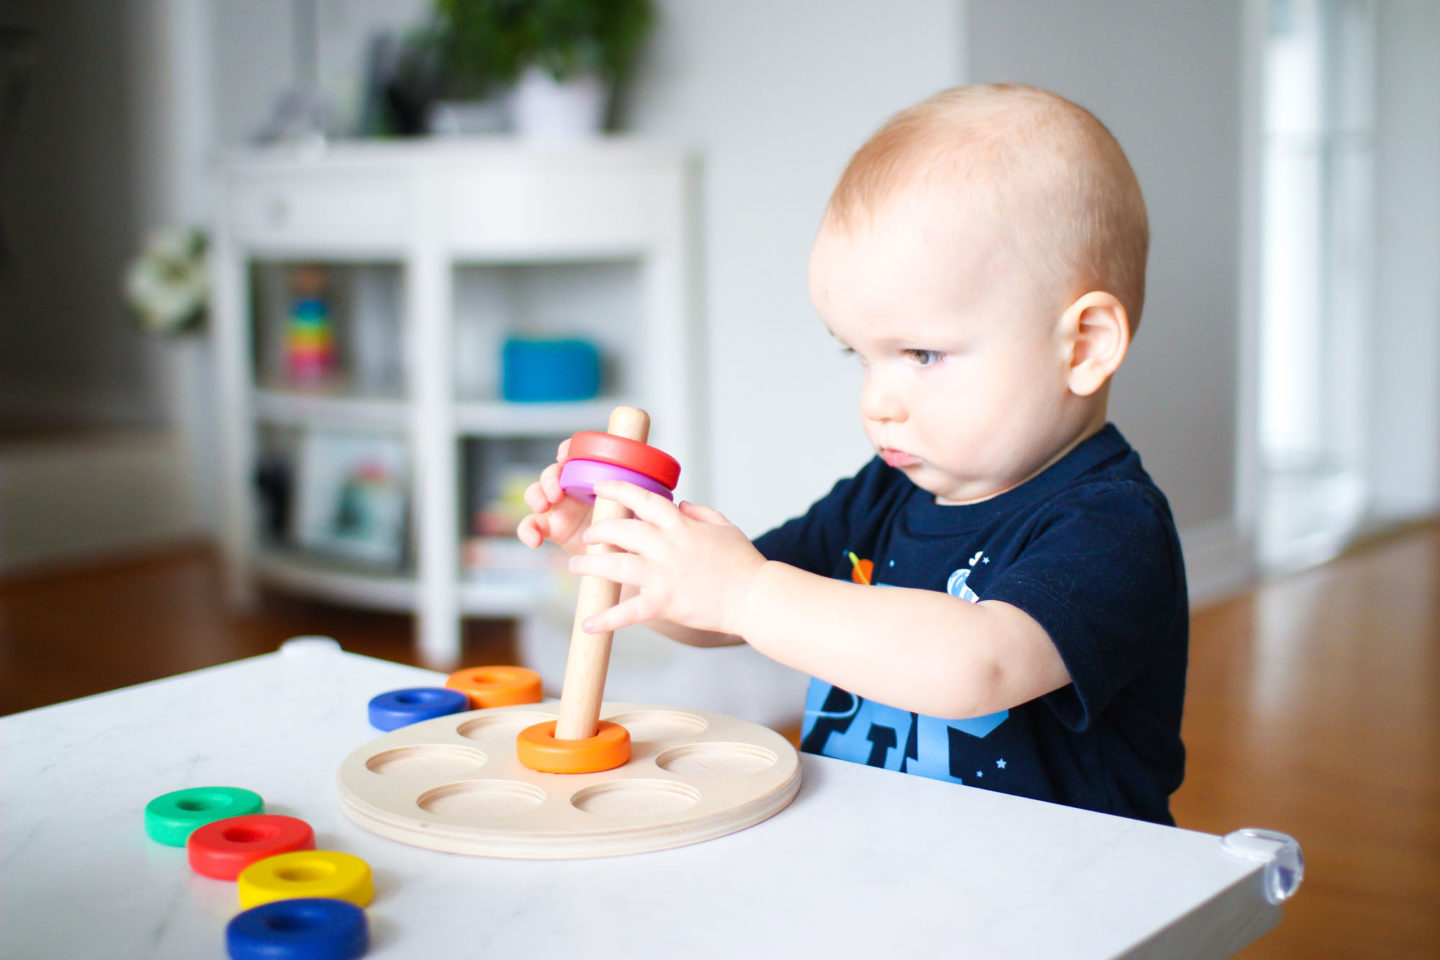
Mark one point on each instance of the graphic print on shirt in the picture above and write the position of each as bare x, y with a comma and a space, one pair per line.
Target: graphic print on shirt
841, 725
959, 586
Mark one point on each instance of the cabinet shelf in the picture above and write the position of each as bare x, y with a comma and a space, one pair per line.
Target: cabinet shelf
500, 419
396, 593
475, 418
302, 408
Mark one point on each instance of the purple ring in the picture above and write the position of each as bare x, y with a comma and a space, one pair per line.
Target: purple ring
578, 479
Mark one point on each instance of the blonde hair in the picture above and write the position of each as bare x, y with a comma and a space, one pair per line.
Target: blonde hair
1060, 185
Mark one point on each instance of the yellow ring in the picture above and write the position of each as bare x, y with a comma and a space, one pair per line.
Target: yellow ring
306, 873
537, 748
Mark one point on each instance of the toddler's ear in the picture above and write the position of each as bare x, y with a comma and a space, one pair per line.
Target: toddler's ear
1097, 333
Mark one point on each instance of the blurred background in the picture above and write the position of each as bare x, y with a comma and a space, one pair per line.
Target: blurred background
1283, 390
294, 296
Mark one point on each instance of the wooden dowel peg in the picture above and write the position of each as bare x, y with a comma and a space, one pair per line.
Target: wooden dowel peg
589, 658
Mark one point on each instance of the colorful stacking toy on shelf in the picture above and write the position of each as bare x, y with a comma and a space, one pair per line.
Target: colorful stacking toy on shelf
310, 334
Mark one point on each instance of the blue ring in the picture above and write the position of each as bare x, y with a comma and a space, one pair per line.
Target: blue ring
307, 928
400, 708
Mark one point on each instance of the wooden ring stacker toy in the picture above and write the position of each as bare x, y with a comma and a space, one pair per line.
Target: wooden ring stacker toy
579, 741
479, 782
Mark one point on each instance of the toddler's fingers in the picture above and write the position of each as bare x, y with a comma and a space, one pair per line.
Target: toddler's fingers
550, 483
625, 568
530, 533
646, 505
536, 499
631, 536
704, 514
625, 614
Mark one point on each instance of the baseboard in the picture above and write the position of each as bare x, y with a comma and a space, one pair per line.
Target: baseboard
74, 498
1219, 560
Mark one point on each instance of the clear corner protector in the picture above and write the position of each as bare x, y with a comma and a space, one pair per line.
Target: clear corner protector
1284, 863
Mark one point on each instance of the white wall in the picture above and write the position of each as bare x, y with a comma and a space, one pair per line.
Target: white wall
1166, 79
1405, 377
775, 97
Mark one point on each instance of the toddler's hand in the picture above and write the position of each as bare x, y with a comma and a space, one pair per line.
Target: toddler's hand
554, 516
687, 563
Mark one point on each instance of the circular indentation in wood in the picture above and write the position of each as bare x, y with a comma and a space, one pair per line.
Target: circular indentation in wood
481, 800
505, 725
660, 724
426, 761
716, 759
636, 799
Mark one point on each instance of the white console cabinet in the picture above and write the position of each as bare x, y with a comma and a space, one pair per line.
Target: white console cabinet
433, 253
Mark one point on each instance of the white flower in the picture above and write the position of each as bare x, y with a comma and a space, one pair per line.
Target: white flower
168, 284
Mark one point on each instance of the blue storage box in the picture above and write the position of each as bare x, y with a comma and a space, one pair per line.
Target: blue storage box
537, 370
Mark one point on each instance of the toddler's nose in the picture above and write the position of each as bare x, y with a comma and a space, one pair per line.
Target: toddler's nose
879, 401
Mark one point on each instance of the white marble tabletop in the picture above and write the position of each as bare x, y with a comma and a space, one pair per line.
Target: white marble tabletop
863, 863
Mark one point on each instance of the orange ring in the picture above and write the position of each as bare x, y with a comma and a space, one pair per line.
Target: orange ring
624, 452
496, 686
537, 748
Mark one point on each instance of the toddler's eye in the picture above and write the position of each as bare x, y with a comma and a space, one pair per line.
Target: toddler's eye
924, 358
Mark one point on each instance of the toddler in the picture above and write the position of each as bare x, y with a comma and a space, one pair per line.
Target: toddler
998, 597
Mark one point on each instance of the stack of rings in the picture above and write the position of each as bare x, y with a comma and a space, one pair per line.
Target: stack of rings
595, 457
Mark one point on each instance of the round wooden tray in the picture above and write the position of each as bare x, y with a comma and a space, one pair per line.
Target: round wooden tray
454, 784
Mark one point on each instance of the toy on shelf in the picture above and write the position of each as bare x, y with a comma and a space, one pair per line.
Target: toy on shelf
549, 370
582, 777
310, 334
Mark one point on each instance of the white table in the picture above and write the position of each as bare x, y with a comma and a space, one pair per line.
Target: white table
863, 863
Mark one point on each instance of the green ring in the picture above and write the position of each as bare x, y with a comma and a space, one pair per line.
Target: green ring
170, 818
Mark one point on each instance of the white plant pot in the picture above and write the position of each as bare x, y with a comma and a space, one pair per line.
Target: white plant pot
465, 118
543, 109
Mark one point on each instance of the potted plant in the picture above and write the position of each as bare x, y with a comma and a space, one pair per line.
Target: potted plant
565, 58
472, 49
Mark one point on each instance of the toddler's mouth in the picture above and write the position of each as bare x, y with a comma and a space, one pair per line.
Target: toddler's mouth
898, 458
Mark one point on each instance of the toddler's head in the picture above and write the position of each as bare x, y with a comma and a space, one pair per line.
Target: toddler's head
1041, 173
984, 256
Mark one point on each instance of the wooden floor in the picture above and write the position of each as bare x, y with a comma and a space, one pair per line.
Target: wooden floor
1313, 708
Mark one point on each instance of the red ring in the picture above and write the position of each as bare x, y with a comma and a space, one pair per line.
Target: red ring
624, 452
225, 847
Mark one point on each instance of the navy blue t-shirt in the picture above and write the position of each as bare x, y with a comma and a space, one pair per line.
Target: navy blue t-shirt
1088, 549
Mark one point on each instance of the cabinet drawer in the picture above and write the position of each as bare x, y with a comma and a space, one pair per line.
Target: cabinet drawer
519, 212
347, 209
